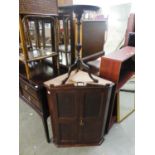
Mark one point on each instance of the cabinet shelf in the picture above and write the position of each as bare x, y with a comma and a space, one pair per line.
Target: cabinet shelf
124, 78
37, 54
40, 72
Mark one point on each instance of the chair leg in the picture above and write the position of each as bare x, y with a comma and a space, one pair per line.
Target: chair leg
44, 120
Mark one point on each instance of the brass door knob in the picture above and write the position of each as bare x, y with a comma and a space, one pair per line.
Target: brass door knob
36, 86
81, 123
26, 88
29, 98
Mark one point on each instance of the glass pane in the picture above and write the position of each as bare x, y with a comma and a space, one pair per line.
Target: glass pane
126, 101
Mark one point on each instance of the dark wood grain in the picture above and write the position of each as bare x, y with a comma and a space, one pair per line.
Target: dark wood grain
78, 114
116, 63
79, 8
38, 7
40, 72
93, 37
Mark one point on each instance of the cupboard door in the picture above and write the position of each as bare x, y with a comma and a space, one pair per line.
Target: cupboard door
92, 115
65, 106
78, 114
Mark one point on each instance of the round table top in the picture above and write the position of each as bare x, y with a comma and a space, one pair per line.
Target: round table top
79, 8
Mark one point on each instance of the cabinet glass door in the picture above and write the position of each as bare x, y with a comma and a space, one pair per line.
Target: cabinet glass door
126, 100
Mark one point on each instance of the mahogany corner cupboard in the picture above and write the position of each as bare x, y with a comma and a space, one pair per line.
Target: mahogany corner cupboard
78, 112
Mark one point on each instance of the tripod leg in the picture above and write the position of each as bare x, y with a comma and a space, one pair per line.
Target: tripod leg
86, 67
90, 75
71, 68
77, 70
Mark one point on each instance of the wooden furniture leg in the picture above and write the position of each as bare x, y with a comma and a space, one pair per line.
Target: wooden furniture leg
72, 38
65, 40
28, 34
24, 48
44, 120
38, 37
43, 34
52, 36
55, 64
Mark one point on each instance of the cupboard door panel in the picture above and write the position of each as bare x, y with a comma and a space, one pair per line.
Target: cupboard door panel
68, 132
91, 131
92, 115
66, 115
66, 104
91, 105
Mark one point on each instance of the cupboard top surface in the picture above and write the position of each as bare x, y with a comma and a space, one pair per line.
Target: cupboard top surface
80, 76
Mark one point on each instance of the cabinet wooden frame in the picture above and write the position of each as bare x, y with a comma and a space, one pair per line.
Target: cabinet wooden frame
24, 48
118, 67
67, 22
25, 58
37, 100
